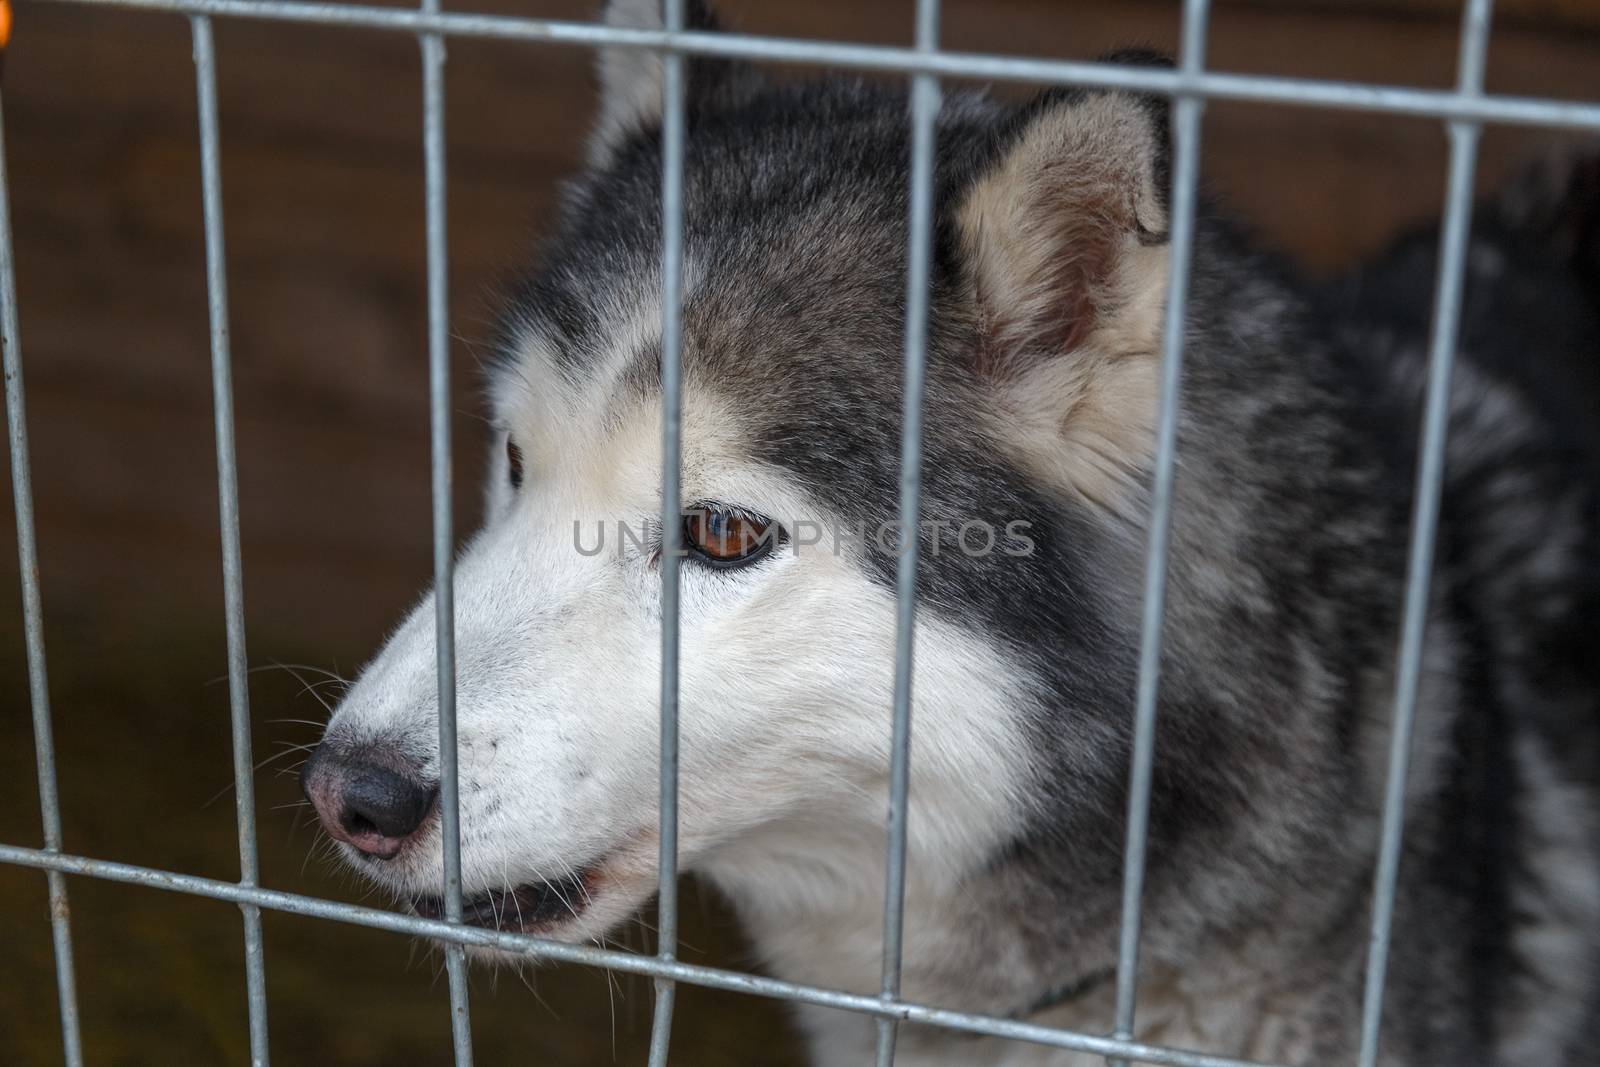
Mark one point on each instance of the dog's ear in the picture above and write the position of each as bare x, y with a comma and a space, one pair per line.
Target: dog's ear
630, 78
1063, 241
1065, 235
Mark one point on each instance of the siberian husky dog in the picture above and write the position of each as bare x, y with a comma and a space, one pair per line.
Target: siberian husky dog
1296, 459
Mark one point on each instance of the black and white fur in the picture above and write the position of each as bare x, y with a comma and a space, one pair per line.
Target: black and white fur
1296, 460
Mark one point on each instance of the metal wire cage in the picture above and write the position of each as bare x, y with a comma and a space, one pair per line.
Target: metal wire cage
1464, 110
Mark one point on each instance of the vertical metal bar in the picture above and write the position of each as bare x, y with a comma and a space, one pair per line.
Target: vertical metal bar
455, 957
1425, 515
1185, 176
925, 103
33, 625
673, 76
228, 498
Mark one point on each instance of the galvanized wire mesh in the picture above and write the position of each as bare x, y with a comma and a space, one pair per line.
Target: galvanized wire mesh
1465, 109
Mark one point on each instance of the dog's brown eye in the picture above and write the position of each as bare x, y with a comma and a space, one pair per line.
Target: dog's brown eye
727, 537
514, 460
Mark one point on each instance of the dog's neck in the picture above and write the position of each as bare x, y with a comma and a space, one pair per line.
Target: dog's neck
814, 912
812, 903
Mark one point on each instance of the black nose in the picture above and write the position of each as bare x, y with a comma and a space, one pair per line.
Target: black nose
364, 802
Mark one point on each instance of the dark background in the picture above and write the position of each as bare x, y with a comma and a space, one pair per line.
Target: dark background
323, 191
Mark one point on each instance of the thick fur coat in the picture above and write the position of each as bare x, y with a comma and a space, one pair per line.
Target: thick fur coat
1296, 459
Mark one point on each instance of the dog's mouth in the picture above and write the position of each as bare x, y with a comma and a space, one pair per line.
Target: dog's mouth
532, 908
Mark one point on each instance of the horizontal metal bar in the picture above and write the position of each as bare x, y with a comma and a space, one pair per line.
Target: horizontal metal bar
627, 962
1396, 100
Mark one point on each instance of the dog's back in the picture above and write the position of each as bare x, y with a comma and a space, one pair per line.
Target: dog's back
1504, 853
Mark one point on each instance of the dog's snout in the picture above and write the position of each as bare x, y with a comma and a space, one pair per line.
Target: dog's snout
366, 803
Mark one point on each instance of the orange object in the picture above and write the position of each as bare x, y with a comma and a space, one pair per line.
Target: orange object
5, 23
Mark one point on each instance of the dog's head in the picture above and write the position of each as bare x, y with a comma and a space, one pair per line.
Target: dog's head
1041, 369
